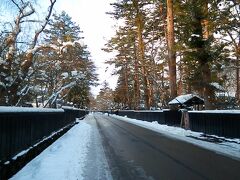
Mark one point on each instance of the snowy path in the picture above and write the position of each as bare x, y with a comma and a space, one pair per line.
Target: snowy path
97, 147
77, 155
96, 165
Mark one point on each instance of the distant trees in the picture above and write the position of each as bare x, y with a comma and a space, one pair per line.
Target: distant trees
104, 100
166, 48
47, 64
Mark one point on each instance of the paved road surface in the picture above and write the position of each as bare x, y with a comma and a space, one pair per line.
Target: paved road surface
134, 152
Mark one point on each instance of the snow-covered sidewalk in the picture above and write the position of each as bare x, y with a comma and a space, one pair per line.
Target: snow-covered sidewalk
78, 154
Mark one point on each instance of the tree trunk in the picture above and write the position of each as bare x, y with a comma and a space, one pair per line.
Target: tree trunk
208, 92
180, 82
147, 91
141, 52
136, 81
171, 50
237, 71
126, 87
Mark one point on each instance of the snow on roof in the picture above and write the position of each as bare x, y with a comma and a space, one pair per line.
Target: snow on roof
13, 109
187, 99
64, 75
217, 86
74, 73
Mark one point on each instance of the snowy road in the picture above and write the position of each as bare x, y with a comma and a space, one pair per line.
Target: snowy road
103, 147
139, 153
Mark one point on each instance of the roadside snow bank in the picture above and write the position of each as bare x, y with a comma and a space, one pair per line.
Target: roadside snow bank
221, 145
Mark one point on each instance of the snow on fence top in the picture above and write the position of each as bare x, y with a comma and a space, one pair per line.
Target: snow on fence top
187, 99
11, 109
218, 111
70, 107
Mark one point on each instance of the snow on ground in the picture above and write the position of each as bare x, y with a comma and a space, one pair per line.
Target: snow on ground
221, 145
70, 156
97, 166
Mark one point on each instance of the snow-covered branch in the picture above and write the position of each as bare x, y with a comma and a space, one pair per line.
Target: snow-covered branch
59, 48
54, 96
23, 93
24, 14
30, 53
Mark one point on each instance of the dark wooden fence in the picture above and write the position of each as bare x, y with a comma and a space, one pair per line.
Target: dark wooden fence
19, 130
172, 118
224, 124
220, 123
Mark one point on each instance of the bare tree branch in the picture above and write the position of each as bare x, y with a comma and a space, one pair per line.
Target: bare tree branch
31, 21
20, 9
45, 23
30, 53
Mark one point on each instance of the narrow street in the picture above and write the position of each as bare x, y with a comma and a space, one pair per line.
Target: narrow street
134, 152
102, 147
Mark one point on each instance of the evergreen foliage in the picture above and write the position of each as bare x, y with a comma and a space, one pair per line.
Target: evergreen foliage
70, 65
206, 44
